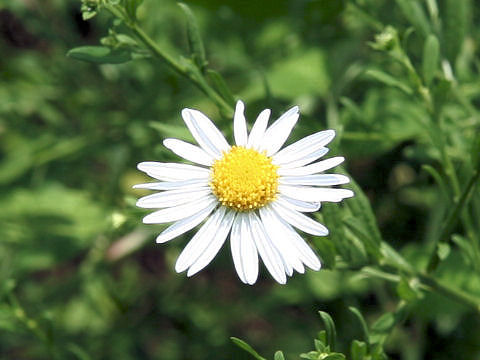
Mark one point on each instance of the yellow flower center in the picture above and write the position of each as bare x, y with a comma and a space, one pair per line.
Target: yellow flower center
244, 179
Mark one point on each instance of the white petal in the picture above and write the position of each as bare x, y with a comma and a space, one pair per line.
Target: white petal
214, 246
173, 171
313, 168
200, 240
180, 227
235, 244
172, 198
188, 151
171, 185
248, 252
205, 132
258, 129
289, 254
240, 125
315, 180
179, 212
299, 205
269, 254
306, 193
307, 255
278, 132
306, 159
299, 220
304, 147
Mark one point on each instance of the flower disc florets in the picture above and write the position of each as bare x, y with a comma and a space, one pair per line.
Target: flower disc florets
244, 179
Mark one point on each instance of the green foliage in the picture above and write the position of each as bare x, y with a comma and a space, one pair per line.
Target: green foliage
81, 277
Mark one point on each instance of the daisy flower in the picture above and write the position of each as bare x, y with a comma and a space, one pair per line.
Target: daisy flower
253, 191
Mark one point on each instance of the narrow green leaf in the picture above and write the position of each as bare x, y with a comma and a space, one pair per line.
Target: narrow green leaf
243, 345
389, 80
385, 324
131, 8
320, 344
329, 328
279, 356
358, 350
455, 26
431, 53
322, 337
194, 39
361, 208
363, 324
327, 252
358, 228
391, 257
415, 14
220, 86
334, 356
312, 355
100, 55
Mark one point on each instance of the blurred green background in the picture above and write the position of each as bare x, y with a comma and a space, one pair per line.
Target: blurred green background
82, 278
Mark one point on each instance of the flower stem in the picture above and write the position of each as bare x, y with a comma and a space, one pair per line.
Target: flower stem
454, 294
185, 68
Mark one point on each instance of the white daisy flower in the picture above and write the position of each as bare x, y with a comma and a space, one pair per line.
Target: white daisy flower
252, 190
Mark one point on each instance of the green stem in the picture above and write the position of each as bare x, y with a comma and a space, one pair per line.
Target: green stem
394, 260
186, 69
429, 283
454, 294
452, 219
157, 51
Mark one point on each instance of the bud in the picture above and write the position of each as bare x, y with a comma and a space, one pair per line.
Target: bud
387, 40
90, 8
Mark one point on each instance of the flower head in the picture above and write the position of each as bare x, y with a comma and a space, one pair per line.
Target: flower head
252, 191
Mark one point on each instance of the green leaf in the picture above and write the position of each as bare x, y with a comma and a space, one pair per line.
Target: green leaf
363, 323
358, 350
385, 324
327, 252
358, 228
319, 344
334, 356
100, 55
455, 26
389, 80
361, 208
279, 356
220, 86
131, 8
392, 257
194, 39
243, 345
431, 53
415, 14
329, 328
312, 355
